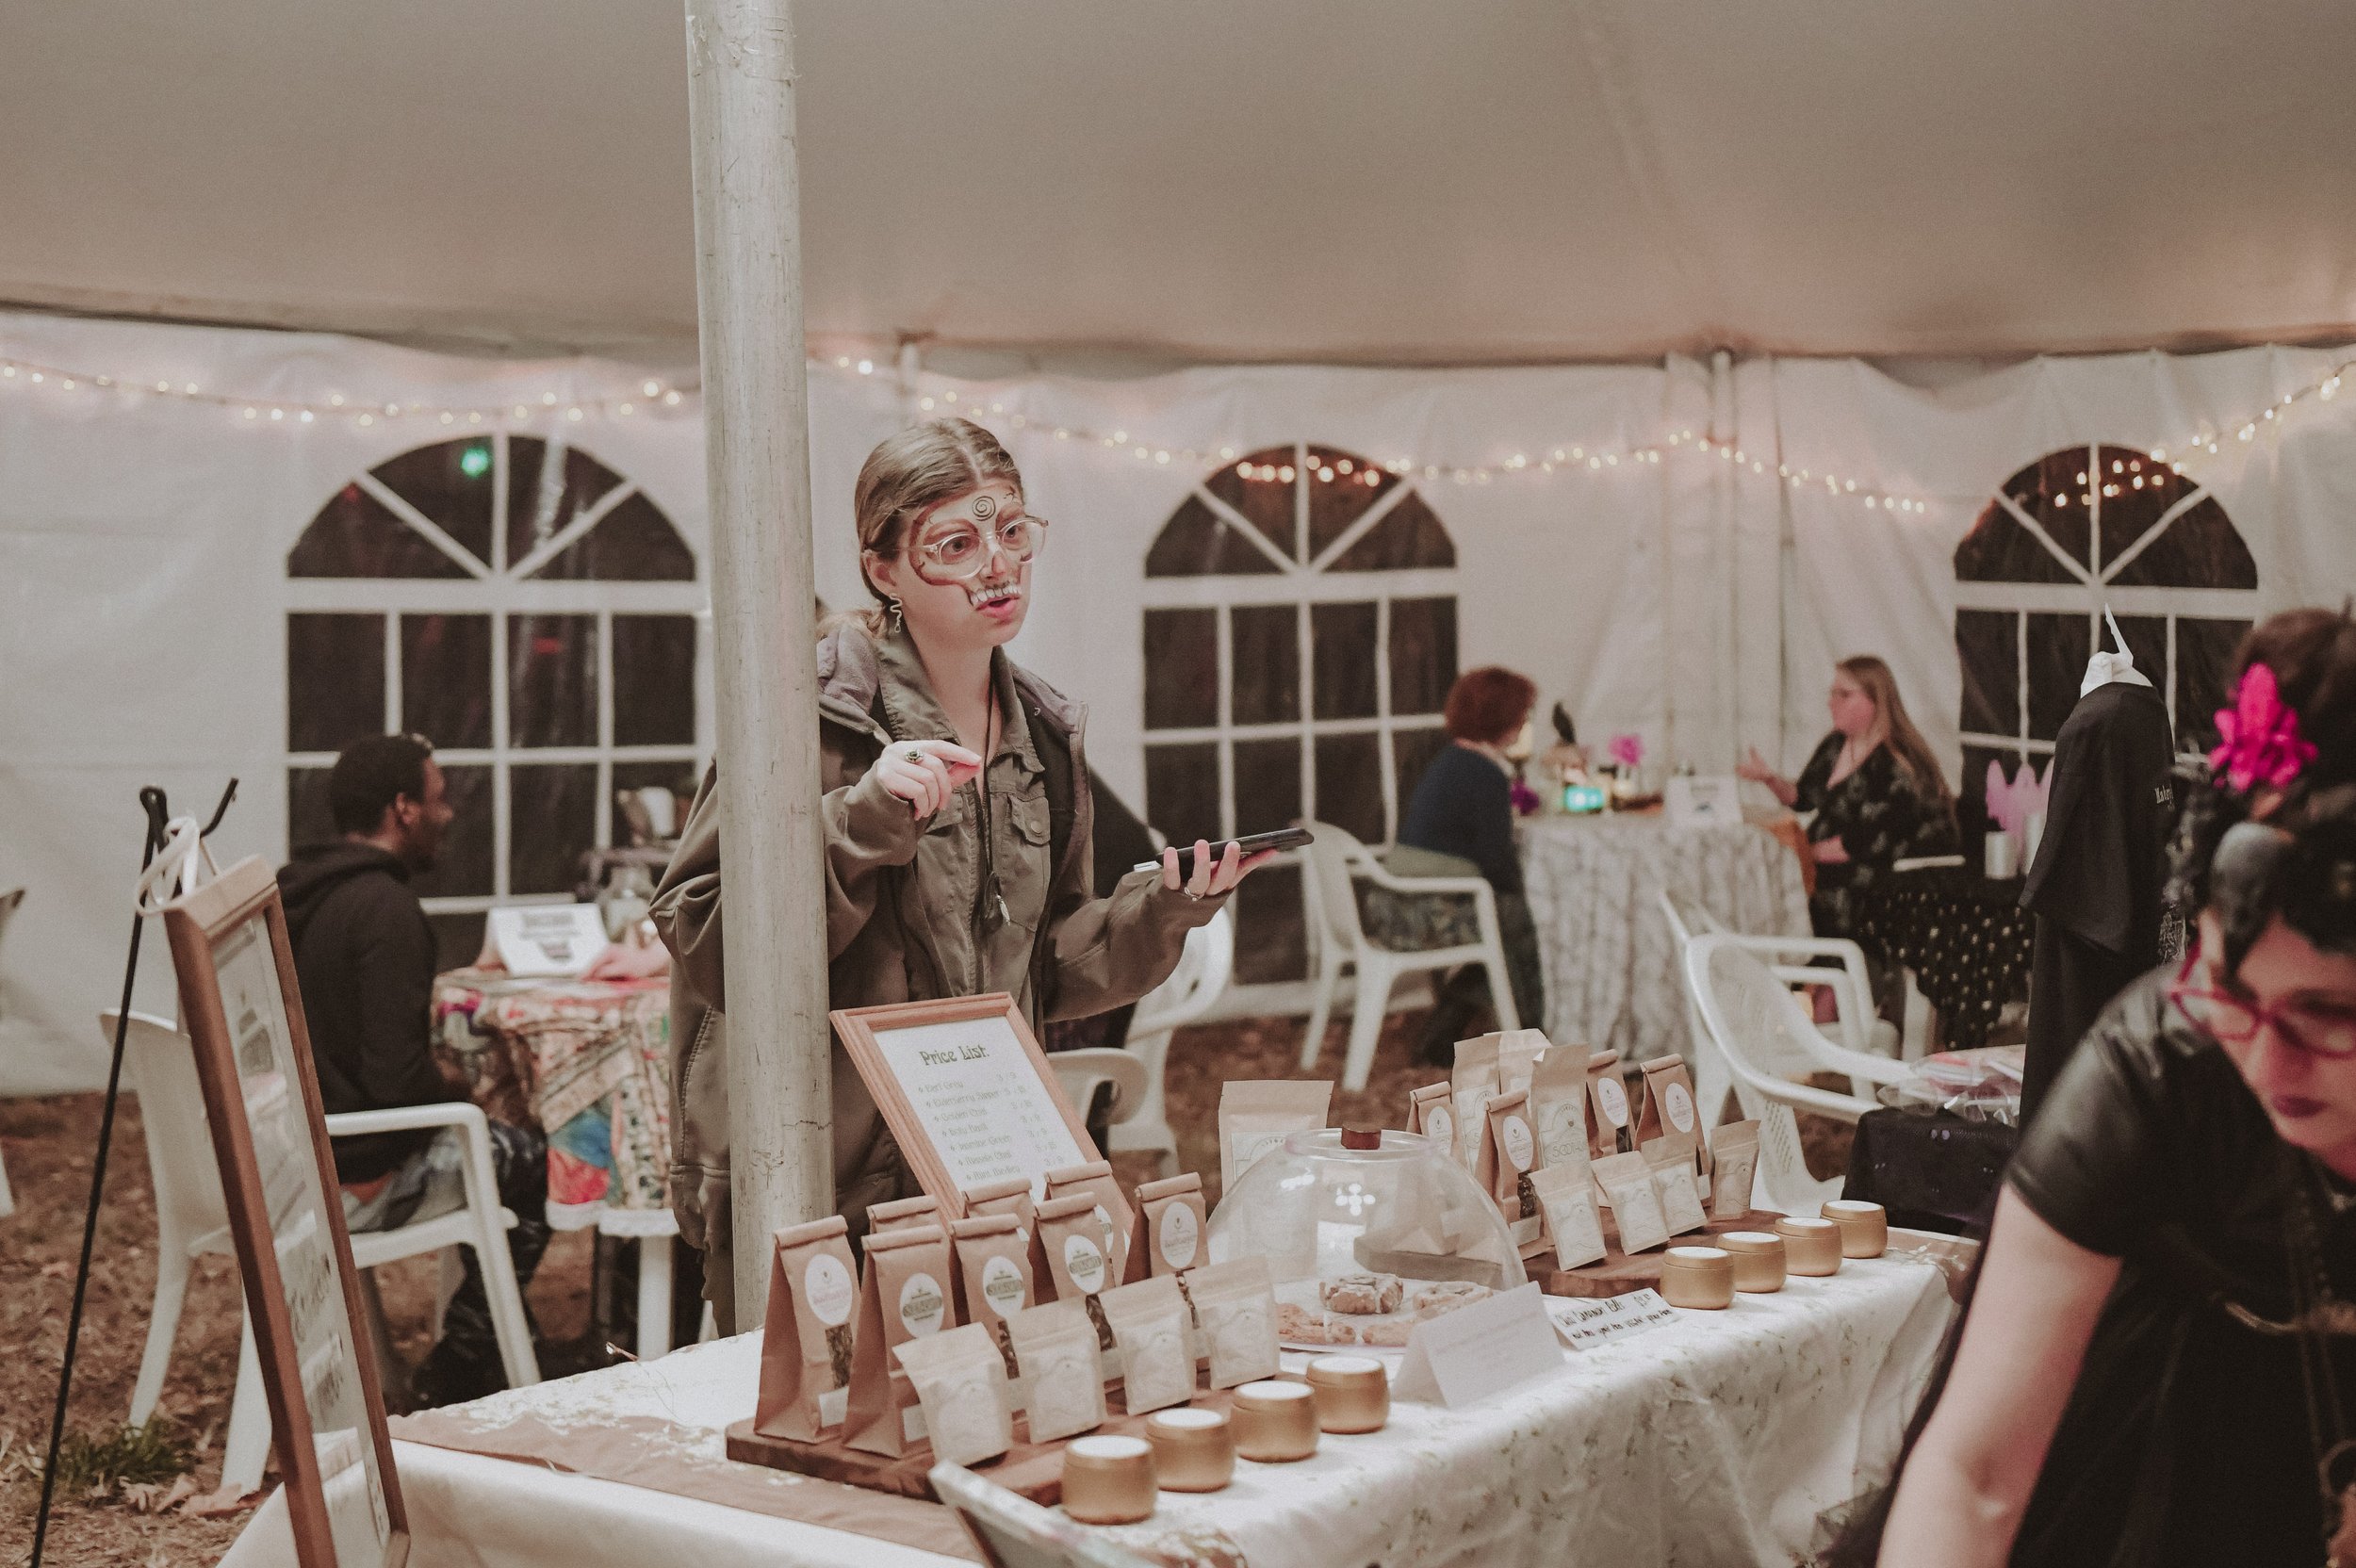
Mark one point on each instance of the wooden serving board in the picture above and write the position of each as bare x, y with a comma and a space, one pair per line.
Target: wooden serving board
1033, 1469
1619, 1273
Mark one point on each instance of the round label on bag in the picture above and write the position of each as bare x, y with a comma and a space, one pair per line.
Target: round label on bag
1678, 1106
923, 1305
1514, 1138
1440, 1127
1085, 1262
1002, 1285
1105, 1224
1180, 1235
827, 1286
1612, 1098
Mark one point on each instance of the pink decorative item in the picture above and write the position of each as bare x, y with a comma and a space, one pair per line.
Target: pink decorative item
1525, 798
2012, 802
1628, 750
2261, 739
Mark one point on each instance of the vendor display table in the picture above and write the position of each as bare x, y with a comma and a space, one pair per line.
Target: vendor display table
1614, 981
1717, 1438
1968, 940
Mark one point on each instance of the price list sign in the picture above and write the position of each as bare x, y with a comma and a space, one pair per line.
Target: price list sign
967, 1092
244, 1016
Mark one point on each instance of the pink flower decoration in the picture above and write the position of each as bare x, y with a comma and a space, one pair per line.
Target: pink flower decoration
1628, 750
1524, 799
2262, 742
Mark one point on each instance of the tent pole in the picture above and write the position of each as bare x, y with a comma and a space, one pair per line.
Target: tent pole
748, 276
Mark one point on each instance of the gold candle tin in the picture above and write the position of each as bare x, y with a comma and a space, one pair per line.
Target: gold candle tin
1108, 1480
1698, 1277
1194, 1450
1353, 1393
1276, 1422
1811, 1247
1864, 1227
1758, 1260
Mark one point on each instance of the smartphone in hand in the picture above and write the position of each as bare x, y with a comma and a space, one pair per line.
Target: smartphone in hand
1247, 847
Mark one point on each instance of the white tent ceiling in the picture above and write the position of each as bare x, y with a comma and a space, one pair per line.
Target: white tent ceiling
1381, 180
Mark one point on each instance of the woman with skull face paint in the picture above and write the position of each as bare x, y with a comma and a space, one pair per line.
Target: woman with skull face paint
2159, 1365
957, 816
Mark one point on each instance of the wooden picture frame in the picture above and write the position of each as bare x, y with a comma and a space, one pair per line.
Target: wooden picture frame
1020, 1128
241, 1005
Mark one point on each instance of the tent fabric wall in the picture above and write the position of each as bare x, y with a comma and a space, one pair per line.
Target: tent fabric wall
143, 539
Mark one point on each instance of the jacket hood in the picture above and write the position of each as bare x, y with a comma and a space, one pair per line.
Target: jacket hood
318, 869
850, 673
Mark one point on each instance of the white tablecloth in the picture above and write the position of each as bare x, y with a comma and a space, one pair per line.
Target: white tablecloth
1593, 883
1715, 1439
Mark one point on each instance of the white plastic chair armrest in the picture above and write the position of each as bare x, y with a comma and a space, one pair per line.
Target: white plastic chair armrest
1374, 872
402, 1119
1855, 1064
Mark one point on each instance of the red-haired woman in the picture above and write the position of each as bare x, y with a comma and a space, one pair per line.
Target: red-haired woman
1460, 823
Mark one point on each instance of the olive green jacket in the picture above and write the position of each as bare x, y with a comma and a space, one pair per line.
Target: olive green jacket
905, 915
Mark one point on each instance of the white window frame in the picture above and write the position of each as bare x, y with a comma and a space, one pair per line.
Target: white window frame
1302, 583
2090, 589
500, 591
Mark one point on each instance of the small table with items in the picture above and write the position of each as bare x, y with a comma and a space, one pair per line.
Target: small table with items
1968, 940
1595, 883
588, 1062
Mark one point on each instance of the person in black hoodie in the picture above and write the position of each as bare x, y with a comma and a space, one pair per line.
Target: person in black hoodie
365, 961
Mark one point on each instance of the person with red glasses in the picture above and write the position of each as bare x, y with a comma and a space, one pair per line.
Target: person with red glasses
2158, 1363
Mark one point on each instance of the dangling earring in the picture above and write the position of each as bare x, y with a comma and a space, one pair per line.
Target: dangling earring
893, 613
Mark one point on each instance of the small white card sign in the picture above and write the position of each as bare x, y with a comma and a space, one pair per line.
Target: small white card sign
1587, 1323
1468, 1355
536, 941
1703, 802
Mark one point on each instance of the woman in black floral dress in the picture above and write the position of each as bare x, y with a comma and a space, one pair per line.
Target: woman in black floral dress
1876, 791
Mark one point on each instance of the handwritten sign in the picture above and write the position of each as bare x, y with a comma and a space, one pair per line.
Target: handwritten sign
967, 1093
1586, 1323
245, 1026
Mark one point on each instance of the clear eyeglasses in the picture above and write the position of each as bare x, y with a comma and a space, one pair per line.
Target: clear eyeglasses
958, 552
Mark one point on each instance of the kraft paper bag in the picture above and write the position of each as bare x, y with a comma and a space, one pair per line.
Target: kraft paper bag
1520, 1051
1174, 1224
1430, 1113
1078, 1260
1473, 1083
1513, 1151
1150, 1323
1557, 1107
907, 1292
1673, 1180
993, 1267
901, 1213
1096, 1180
1566, 1201
1236, 1303
807, 1339
1256, 1115
1734, 1162
1012, 1195
1608, 1097
1669, 1114
961, 1390
1055, 1345
1628, 1187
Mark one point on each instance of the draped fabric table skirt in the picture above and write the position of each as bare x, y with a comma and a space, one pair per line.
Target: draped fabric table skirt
1614, 981
1719, 1438
1970, 946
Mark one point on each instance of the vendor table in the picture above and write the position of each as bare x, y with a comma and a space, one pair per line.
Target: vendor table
1719, 1438
1968, 940
1614, 981
587, 1062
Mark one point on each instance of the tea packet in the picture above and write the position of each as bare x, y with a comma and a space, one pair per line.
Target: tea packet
1557, 1107
1172, 1218
1673, 1180
1566, 1199
1149, 1320
905, 1292
1734, 1161
1236, 1303
961, 1393
1112, 1210
1256, 1115
1473, 1083
1056, 1346
1668, 1112
1520, 1051
994, 1268
1430, 1113
1078, 1262
1609, 1098
806, 1340
1012, 1195
1628, 1187
901, 1213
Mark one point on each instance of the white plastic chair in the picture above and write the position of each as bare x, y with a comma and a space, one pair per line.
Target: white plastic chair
1769, 1043
1081, 1073
1191, 990
1851, 985
1015, 1533
1335, 858
191, 1219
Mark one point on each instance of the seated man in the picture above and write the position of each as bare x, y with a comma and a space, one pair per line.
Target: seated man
365, 959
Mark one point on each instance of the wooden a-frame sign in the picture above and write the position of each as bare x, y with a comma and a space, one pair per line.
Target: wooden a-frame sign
241, 1007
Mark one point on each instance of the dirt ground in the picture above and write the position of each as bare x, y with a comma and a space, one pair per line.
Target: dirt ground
49, 1145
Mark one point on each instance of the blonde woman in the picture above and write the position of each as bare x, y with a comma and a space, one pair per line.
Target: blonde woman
957, 818
1874, 785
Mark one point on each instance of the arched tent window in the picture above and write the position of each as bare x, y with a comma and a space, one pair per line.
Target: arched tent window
1300, 642
526, 609
2075, 531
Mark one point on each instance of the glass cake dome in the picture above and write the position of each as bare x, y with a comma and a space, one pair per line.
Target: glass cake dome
1397, 1206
